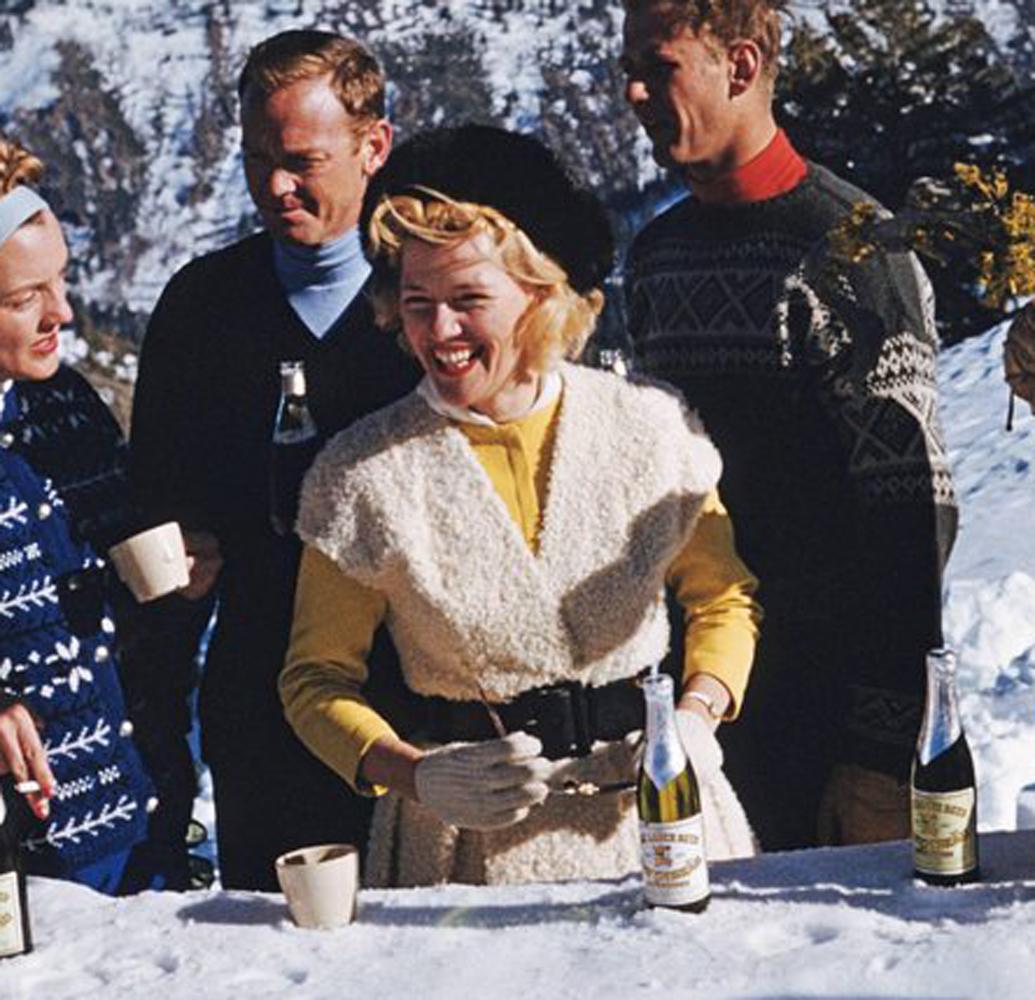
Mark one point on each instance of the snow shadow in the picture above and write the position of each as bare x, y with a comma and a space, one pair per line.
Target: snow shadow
239, 909
879, 878
611, 905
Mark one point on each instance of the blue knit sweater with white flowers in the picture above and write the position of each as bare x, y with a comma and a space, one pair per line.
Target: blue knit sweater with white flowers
63, 500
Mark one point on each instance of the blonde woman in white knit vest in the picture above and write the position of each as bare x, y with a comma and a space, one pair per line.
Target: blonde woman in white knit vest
514, 522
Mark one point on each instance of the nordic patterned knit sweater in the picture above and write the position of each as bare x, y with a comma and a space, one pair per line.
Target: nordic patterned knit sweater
64, 499
818, 387
486, 611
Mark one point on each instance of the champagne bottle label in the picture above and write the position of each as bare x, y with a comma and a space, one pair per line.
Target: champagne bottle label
11, 940
944, 834
674, 870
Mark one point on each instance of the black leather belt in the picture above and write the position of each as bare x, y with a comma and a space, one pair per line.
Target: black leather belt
568, 718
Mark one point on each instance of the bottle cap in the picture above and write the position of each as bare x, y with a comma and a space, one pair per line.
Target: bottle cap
292, 377
657, 685
942, 659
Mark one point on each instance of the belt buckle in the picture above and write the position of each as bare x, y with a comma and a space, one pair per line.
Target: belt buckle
558, 715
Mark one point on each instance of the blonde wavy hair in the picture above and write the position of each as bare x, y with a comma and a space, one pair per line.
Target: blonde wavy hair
17, 166
557, 323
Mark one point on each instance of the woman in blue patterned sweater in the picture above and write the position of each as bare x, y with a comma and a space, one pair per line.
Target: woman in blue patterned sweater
63, 500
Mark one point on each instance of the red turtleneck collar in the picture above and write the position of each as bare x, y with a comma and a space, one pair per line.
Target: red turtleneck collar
774, 171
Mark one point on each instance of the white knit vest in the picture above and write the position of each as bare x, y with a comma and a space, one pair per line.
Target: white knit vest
400, 502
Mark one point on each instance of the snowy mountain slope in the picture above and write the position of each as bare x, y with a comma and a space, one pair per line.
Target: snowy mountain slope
132, 105
1002, 18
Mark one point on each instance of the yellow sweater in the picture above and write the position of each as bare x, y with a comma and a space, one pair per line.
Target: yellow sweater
336, 616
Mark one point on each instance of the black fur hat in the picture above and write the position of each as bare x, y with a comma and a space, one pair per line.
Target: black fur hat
515, 174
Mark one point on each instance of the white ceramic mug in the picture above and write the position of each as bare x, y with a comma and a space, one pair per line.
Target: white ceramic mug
320, 884
152, 563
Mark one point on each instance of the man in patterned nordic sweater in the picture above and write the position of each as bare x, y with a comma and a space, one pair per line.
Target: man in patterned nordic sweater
818, 385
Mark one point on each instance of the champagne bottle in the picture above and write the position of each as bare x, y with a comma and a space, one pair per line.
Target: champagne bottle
295, 443
944, 813
614, 359
675, 873
15, 936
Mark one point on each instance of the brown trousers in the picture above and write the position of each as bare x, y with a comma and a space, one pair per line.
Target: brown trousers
860, 806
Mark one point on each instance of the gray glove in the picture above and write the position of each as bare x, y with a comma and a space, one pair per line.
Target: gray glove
483, 786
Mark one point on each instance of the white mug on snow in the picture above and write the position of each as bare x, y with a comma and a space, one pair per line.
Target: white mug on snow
320, 884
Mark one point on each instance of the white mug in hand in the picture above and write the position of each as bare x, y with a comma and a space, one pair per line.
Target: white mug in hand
152, 563
320, 884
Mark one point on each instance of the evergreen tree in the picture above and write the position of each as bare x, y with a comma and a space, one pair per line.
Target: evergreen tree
1022, 46
889, 92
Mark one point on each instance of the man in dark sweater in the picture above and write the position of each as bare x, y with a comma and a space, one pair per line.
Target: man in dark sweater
314, 133
817, 382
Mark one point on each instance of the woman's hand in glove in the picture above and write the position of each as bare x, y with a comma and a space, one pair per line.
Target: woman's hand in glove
611, 764
699, 742
483, 786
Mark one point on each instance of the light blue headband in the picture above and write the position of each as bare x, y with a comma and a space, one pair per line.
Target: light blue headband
16, 206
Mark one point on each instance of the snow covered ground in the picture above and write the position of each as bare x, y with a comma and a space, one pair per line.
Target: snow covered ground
846, 923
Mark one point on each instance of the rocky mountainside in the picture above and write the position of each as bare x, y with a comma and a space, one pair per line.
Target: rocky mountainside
132, 105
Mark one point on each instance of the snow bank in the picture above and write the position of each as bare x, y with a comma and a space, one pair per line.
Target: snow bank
989, 614
845, 923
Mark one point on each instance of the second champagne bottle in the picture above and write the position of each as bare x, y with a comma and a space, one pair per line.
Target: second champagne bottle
944, 792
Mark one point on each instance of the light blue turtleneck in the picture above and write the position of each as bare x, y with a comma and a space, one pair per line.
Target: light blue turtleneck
321, 281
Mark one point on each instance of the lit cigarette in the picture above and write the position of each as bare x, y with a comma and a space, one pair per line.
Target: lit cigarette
27, 787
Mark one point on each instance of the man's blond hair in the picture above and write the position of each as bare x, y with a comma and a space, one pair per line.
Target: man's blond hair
291, 56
